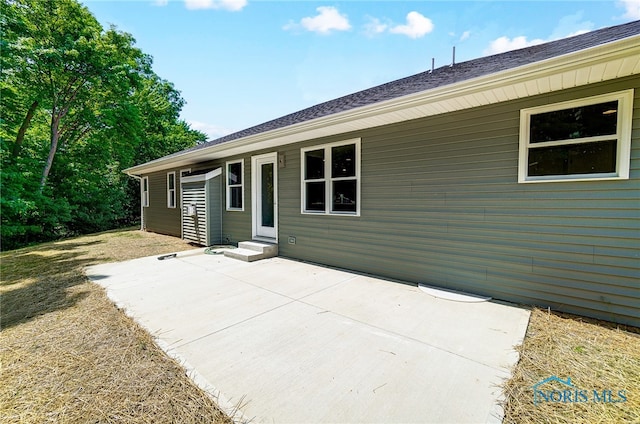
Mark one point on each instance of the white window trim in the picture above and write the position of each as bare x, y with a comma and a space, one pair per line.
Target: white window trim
229, 186
623, 137
328, 180
172, 192
184, 171
144, 194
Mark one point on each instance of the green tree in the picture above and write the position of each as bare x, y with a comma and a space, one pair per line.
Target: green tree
70, 65
79, 104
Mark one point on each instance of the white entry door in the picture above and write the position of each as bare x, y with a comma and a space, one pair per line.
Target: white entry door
264, 172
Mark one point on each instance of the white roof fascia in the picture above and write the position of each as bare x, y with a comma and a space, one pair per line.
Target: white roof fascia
623, 53
201, 177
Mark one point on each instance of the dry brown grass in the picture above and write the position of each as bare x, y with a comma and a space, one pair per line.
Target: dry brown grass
69, 355
596, 355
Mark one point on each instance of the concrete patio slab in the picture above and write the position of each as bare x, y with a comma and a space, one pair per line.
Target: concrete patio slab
300, 343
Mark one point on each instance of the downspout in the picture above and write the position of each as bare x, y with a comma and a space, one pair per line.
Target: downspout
141, 206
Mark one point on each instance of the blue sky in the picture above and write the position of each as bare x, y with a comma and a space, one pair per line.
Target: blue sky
239, 63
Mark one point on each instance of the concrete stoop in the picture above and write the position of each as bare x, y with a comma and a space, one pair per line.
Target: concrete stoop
250, 251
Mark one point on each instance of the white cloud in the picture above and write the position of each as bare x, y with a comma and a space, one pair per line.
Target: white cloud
327, 20
571, 25
231, 5
212, 131
505, 44
374, 26
465, 35
578, 32
567, 26
417, 26
160, 3
632, 8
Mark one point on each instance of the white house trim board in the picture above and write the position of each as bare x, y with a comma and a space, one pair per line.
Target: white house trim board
202, 177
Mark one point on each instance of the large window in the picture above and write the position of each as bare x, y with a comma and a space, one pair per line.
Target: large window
331, 178
144, 191
583, 139
171, 189
235, 185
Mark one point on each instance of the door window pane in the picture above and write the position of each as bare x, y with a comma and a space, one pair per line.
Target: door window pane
314, 165
343, 161
266, 179
315, 193
344, 196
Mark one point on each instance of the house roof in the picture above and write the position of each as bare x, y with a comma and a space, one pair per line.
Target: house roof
449, 81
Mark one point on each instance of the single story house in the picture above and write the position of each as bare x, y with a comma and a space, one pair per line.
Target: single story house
515, 176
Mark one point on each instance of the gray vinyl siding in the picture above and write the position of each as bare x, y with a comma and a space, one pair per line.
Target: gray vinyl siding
157, 216
164, 220
441, 205
214, 211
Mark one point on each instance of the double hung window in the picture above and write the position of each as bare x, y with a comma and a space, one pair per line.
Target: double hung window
144, 191
235, 185
171, 190
331, 178
584, 139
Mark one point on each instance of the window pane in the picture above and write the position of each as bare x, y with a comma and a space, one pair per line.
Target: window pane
235, 197
314, 165
267, 195
583, 158
315, 197
343, 161
172, 181
234, 173
577, 122
344, 196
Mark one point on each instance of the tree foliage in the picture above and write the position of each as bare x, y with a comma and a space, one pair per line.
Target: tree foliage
79, 103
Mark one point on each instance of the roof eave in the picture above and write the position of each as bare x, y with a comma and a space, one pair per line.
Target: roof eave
600, 63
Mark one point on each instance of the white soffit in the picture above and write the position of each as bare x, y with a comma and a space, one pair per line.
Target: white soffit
606, 62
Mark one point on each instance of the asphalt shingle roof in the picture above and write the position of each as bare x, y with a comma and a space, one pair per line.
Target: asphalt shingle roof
439, 77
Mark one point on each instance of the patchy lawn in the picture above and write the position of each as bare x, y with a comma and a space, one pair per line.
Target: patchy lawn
596, 355
69, 355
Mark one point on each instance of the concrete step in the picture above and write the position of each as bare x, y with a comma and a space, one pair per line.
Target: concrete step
268, 249
250, 251
247, 255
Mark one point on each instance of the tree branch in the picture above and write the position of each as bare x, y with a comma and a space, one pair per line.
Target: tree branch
23, 129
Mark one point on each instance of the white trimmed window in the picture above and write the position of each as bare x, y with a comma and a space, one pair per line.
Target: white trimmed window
579, 140
331, 178
171, 189
144, 191
235, 185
